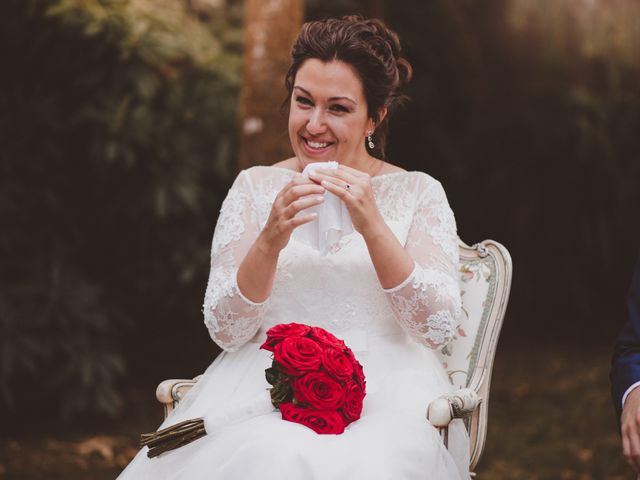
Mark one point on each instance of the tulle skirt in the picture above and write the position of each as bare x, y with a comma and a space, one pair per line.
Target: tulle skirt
392, 439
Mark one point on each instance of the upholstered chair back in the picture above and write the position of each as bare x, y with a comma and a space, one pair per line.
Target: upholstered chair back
485, 281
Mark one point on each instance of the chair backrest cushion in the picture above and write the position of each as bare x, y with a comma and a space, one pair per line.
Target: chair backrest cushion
477, 287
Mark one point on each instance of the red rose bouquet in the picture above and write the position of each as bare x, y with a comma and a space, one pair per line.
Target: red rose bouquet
316, 380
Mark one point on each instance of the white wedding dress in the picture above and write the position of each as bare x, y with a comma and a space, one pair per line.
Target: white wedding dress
392, 333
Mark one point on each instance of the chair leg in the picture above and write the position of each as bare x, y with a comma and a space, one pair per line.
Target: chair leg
444, 434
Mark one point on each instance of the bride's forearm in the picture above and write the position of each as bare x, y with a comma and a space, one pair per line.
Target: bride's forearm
257, 270
391, 261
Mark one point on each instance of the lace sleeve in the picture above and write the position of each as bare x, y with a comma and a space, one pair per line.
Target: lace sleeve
230, 317
427, 304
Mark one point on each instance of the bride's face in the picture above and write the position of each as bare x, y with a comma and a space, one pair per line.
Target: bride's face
328, 119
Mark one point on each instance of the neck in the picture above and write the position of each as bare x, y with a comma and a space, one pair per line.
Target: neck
368, 164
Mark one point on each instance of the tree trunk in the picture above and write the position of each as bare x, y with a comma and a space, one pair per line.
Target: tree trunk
271, 26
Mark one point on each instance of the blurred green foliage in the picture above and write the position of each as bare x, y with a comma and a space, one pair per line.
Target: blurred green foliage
117, 121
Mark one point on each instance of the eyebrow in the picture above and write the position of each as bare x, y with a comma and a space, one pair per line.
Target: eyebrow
305, 91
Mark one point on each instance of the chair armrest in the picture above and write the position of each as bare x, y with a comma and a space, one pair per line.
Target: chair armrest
458, 404
170, 392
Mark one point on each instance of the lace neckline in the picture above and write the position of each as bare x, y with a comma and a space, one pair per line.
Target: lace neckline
384, 175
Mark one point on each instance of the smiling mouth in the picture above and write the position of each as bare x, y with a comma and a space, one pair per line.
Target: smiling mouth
316, 145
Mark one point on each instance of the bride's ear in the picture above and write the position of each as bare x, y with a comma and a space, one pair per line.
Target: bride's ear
374, 122
381, 114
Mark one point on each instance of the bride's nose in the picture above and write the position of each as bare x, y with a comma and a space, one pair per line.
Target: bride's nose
316, 123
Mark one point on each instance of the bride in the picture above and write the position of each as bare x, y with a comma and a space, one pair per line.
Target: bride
388, 288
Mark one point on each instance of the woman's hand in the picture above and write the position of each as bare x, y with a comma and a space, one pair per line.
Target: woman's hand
353, 187
298, 194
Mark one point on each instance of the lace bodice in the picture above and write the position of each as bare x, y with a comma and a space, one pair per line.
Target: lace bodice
340, 291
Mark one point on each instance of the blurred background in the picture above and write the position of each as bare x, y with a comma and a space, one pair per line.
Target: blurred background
124, 122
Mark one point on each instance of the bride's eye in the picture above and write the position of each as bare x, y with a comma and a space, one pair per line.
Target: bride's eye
339, 108
303, 101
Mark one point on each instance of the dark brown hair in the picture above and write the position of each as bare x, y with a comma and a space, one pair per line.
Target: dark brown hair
372, 49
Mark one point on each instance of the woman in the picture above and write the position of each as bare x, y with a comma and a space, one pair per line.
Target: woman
388, 289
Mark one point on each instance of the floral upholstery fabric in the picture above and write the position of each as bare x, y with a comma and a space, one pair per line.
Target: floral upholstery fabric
476, 277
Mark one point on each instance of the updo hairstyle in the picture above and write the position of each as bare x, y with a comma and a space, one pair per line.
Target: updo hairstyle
372, 49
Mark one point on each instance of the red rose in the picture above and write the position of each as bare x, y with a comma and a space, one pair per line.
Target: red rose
360, 375
320, 421
278, 332
297, 355
326, 338
352, 408
337, 364
319, 390
357, 368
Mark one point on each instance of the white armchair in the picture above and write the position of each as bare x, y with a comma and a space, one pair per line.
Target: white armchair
485, 281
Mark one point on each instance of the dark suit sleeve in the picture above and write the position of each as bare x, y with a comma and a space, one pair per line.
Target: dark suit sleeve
625, 364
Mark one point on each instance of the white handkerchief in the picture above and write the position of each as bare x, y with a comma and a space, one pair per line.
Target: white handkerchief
333, 220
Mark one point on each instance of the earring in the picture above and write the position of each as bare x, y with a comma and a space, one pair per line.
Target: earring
370, 140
